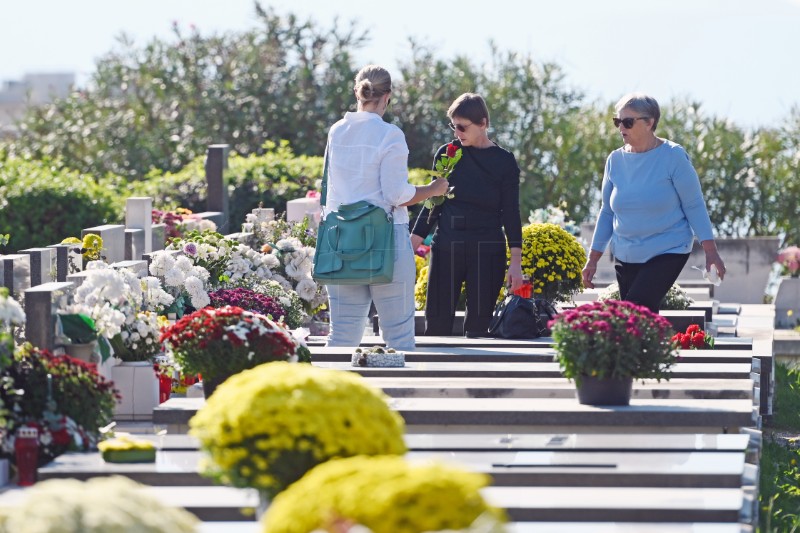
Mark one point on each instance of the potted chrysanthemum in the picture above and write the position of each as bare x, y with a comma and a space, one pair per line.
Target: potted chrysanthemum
98, 505
218, 343
676, 298
400, 496
553, 259
266, 427
603, 346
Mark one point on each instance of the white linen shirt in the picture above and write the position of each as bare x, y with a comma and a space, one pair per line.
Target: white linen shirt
368, 160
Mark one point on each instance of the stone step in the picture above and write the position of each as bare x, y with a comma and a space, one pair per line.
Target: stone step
209, 504
586, 442
621, 504
454, 354
423, 342
523, 504
413, 387
541, 527
536, 415
526, 370
506, 468
626, 527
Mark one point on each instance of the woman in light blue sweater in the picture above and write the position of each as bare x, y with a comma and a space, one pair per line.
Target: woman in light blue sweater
652, 209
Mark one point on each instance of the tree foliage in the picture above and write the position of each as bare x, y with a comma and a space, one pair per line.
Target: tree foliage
151, 110
160, 106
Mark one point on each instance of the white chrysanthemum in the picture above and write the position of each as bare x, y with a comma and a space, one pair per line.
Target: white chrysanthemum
162, 263
284, 283
206, 225
200, 300
183, 263
174, 277
11, 313
199, 272
306, 289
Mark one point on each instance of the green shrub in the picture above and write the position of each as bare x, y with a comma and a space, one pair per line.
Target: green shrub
41, 203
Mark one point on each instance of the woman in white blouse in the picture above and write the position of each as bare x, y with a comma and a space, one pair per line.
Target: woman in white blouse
368, 160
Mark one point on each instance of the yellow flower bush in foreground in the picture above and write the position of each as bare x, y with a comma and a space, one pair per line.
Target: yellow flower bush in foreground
266, 427
385, 494
553, 259
100, 505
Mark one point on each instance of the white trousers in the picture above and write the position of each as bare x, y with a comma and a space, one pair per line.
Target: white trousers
394, 302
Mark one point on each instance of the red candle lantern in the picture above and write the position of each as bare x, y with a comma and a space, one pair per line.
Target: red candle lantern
26, 449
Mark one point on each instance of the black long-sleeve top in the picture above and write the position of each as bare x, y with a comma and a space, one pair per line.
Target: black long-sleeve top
485, 202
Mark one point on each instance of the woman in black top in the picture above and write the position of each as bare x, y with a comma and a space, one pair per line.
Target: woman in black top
472, 228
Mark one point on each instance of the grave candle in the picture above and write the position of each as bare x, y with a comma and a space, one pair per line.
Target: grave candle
26, 449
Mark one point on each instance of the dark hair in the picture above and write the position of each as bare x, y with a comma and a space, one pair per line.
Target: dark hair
640, 103
470, 106
372, 82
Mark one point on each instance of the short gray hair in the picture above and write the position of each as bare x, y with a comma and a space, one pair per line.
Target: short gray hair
640, 103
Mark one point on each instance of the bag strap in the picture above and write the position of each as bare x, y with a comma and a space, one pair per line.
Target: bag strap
324, 194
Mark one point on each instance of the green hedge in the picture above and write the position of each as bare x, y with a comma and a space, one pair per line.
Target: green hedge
41, 203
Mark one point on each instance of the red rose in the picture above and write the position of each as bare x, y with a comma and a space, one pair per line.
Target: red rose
451, 150
686, 341
699, 340
694, 328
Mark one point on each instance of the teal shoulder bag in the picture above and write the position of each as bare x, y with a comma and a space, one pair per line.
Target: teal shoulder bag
355, 245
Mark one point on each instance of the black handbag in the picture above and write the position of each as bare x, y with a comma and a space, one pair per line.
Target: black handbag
515, 318
521, 318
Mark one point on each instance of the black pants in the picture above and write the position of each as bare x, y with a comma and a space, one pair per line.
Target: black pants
482, 266
647, 283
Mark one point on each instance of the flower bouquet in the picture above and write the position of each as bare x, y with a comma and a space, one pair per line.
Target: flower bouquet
442, 169
219, 343
676, 298
266, 427
384, 494
224, 258
612, 340
139, 338
180, 221
11, 316
90, 248
183, 281
693, 339
64, 398
249, 300
99, 505
789, 259
553, 260
294, 315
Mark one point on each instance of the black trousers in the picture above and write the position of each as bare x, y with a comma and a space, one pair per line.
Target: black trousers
647, 283
482, 266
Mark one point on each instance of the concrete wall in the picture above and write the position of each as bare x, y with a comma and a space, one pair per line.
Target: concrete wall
748, 261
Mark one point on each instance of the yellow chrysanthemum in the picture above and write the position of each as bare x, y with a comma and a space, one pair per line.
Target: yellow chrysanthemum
553, 259
385, 494
265, 427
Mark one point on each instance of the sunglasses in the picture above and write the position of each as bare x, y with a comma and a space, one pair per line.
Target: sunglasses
459, 127
627, 122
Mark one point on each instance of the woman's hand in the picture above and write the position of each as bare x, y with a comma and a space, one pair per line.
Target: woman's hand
416, 241
514, 274
713, 258
590, 269
588, 273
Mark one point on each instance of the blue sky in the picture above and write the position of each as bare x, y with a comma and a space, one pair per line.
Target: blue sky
738, 57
